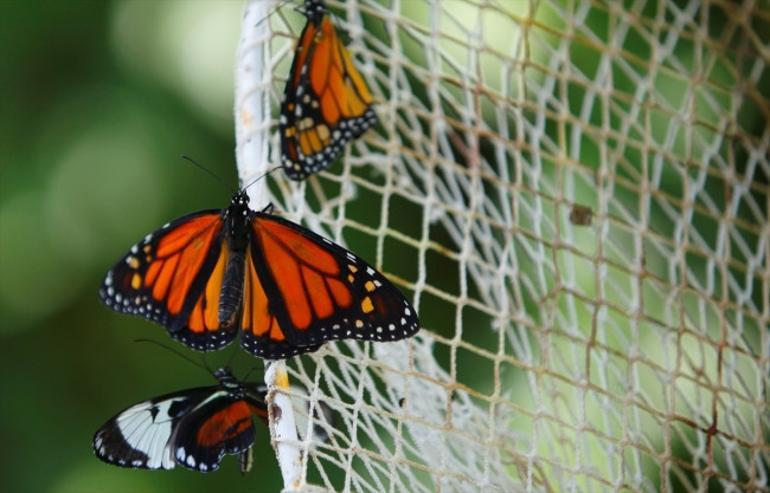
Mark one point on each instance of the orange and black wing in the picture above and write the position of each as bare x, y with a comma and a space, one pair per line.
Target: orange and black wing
173, 277
223, 425
312, 291
326, 101
193, 428
262, 334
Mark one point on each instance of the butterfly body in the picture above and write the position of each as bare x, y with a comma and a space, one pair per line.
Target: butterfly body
193, 428
211, 275
326, 101
236, 218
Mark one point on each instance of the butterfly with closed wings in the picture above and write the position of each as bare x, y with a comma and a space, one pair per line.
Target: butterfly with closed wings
326, 102
212, 274
193, 428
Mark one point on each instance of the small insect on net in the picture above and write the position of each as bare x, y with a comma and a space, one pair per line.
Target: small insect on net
575, 196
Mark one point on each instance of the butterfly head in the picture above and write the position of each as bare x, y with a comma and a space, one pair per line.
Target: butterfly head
314, 10
226, 378
240, 199
239, 207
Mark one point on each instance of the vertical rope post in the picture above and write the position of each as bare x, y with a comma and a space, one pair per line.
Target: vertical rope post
252, 134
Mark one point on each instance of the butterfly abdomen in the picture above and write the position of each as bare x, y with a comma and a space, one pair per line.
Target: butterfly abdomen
231, 295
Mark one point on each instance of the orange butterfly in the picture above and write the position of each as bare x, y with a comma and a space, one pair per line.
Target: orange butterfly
214, 273
326, 101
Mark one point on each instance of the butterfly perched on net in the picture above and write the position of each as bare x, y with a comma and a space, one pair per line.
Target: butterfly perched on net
326, 101
193, 428
212, 274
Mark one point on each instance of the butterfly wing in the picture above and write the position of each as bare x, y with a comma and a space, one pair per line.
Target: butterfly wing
193, 428
222, 425
326, 101
174, 277
139, 436
315, 291
262, 334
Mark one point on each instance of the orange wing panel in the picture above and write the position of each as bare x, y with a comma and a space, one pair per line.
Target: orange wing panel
306, 250
305, 273
177, 239
319, 295
319, 68
256, 316
313, 306
337, 88
164, 281
342, 295
337, 61
173, 277
329, 109
196, 323
315, 141
152, 273
350, 70
224, 425
213, 288
304, 144
301, 55
286, 273
357, 107
190, 262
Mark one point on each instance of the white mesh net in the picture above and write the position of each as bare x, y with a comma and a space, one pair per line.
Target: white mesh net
575, 196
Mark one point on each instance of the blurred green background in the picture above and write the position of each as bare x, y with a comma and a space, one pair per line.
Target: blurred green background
100, 99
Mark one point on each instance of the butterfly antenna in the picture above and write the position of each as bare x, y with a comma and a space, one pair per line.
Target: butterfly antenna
205, 367
205, 169
260, 177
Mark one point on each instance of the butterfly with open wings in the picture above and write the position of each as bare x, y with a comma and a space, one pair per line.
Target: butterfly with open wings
212, 274
326, 102
193, 428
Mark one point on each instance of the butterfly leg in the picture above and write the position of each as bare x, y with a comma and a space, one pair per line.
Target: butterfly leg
246, 460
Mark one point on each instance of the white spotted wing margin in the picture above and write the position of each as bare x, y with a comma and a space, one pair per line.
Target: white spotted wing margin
161, 433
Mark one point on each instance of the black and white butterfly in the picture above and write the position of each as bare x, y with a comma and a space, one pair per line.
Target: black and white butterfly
193, 428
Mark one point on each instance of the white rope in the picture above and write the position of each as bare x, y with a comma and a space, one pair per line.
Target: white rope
252, 130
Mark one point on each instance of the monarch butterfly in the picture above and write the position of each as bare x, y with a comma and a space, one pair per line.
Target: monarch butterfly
214, 273
326, 101
193, 428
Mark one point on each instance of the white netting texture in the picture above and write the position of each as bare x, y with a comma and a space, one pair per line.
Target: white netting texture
575, 196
